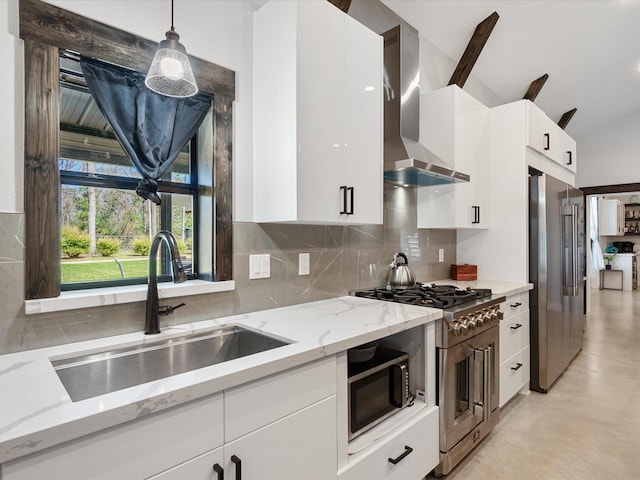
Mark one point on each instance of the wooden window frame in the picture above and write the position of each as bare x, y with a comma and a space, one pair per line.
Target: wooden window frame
46, 30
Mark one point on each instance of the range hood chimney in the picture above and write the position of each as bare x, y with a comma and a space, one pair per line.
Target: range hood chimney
407, 162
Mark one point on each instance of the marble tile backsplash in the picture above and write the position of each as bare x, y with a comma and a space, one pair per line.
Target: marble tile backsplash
343, 258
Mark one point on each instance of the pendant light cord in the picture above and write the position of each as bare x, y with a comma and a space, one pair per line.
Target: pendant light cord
172, 29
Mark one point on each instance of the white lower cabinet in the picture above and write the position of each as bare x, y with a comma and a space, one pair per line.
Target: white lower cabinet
408, 454
515, 365
280, 427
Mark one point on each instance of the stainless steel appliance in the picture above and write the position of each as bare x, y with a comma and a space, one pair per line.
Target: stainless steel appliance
378, 388
467, 360
557, 269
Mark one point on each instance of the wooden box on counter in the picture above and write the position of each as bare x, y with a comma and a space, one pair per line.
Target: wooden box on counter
464, 272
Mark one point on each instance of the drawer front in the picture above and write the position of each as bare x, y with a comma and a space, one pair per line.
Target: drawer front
514, 334
199, 468
173, 436
515, 304
256, 404
513, 376
417, 441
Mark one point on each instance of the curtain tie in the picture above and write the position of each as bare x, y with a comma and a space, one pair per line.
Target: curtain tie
147, 188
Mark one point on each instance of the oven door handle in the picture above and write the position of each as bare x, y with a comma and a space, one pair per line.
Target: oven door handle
479, 396
488, 381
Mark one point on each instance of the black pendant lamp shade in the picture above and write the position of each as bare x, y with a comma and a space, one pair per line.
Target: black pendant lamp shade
170, 73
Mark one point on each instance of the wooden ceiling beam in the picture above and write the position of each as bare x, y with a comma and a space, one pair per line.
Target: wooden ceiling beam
566, 118
472, 52
341, 4
535, 87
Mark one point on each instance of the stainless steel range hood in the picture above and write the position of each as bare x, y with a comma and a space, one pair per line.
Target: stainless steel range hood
407, 162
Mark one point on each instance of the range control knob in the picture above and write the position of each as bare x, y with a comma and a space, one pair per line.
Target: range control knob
472, 322
481, 318
454, 328
464, 328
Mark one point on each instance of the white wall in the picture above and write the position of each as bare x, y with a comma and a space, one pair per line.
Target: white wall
611, 155
11, 113
217, 31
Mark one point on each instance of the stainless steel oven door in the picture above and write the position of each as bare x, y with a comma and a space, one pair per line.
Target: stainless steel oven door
468, 386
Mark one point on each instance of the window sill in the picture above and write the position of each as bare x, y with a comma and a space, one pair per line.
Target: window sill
100, 297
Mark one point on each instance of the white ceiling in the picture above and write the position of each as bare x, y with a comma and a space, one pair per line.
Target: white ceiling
590, 49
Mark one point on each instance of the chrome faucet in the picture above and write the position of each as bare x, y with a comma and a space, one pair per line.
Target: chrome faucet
153, 309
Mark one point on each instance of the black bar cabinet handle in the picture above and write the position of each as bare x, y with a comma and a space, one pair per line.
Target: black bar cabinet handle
407, 451
517, 367
351, 189
547, 141
476, 213
516, 326
514, 305
343, 189
219, 470
238, 464
570, 157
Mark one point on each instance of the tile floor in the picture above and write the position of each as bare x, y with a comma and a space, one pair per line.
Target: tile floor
588, 425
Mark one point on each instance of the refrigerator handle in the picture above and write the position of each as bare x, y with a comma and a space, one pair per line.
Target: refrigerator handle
570, 282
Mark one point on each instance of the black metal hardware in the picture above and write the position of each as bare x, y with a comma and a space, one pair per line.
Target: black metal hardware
476, 213
219, 470
514, 305
168, 309
547, 139
517, 367
238, 464
516, 326
407, 451
570, 157
343, 189
351, 189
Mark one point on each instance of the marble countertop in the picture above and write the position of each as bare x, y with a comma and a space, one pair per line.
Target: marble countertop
497, 287
36, 411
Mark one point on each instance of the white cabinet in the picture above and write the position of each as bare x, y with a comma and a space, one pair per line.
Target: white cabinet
626, 262
453, 125
407, 454
317, 79
611, 218
547, 138
280, 427
515, 365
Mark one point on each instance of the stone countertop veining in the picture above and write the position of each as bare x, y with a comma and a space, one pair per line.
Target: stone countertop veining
36, 411
497, 287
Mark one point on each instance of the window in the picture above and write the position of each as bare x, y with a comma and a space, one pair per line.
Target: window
47, 30
106, 229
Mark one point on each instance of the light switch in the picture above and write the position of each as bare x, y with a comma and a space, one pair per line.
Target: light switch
303, 264
259, 266
441, 255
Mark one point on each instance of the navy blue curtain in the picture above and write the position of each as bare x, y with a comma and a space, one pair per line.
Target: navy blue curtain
152, 128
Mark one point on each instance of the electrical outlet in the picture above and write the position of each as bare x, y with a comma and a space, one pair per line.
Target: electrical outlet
441, 255
259, 266
304, 266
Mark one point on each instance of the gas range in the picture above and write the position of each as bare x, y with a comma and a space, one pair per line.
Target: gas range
466, 312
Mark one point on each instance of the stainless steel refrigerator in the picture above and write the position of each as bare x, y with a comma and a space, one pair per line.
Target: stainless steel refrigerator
557, 268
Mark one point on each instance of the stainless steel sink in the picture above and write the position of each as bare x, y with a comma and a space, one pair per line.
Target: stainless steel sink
94, 374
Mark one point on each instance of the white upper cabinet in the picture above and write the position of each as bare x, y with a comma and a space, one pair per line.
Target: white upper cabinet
453, 126
548, 139
611, 217
317, 82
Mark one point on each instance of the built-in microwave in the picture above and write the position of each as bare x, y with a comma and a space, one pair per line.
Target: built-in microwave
378, 388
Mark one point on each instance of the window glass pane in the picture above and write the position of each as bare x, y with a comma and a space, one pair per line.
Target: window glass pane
123, 225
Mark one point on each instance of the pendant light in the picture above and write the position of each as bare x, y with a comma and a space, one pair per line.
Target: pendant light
170, 73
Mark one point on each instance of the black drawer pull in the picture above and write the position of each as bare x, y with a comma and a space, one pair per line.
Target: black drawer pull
515, 305
516, 326
517, 367
238, 463
407, 451
219, 470
547, 142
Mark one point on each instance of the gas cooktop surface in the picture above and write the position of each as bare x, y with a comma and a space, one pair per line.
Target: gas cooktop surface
427, 295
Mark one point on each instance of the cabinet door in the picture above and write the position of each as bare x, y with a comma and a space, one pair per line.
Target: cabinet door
362, 160
543, 136
567, 155
205, 467
300, 446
